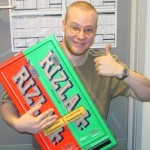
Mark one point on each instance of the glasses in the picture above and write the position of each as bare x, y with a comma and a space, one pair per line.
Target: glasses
75, 29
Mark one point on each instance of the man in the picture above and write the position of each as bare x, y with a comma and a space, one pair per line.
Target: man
101, 73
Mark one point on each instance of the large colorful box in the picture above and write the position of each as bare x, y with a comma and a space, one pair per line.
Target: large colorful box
43, 74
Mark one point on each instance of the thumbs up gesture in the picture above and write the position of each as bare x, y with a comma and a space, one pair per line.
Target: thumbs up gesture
106, 65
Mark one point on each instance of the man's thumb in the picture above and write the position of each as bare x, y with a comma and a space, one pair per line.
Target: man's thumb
108, 49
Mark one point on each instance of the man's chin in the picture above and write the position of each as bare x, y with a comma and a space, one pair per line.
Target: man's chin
78, 54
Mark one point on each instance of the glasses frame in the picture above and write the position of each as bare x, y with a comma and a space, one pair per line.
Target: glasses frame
75, 29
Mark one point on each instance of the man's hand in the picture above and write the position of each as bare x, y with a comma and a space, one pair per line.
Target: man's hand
33, 124
106, 65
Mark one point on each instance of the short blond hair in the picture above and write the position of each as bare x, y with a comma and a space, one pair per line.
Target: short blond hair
83, 5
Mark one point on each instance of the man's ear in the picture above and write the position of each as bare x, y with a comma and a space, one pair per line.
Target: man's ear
63, 25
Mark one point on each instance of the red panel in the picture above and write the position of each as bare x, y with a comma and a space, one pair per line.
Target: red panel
16, 72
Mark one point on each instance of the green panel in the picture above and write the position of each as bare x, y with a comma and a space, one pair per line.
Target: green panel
67, 93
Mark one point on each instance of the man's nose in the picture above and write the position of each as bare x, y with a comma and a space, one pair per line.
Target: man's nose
81, 34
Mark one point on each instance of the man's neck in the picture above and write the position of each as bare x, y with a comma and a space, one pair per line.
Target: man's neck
76, 60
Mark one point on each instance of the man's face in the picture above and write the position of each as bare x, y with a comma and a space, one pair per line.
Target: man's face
79, 30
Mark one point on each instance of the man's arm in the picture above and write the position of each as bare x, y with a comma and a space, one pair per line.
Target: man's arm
27, 122
107, 66
140, 85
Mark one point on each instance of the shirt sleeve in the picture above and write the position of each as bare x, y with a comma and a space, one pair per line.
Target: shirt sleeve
119, 88
5, 98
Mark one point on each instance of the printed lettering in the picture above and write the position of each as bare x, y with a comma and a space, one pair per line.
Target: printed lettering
21, 78
62, 91
56, 136
47, 63
72, 102
54, 81
28, 88
82, 122
62, 85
